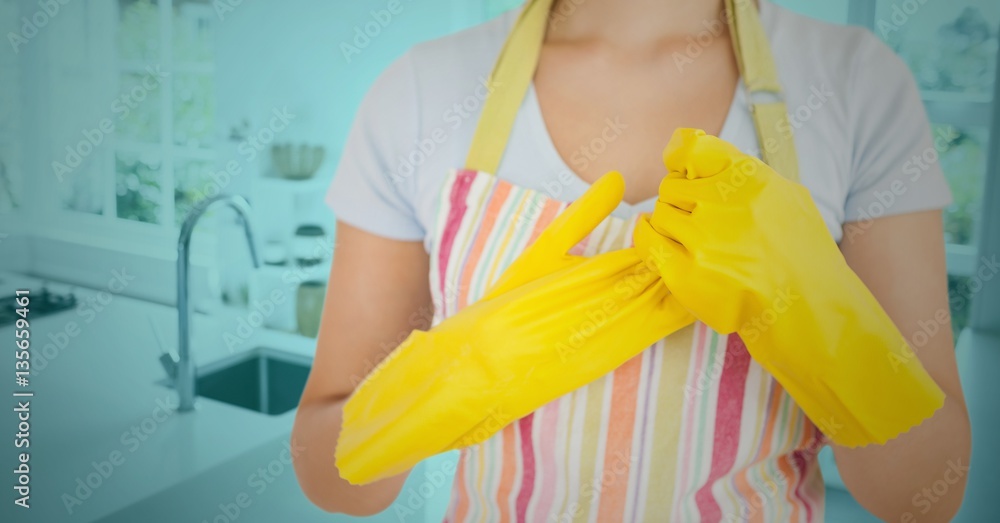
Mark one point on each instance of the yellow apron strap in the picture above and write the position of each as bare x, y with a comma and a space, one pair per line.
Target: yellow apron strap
508, 84
760, 76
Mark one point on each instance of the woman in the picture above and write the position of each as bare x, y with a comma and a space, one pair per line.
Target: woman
691, 429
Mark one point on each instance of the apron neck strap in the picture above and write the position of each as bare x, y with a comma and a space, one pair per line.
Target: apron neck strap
508, 84
760, 76
515, 67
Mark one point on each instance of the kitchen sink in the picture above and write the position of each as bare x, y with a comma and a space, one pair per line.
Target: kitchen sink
262, 380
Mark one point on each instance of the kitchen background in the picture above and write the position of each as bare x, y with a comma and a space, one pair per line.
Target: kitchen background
118, 117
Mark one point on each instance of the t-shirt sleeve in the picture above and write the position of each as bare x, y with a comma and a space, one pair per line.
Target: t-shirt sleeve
367, 190
895, 168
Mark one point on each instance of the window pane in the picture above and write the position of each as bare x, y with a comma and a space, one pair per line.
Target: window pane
963, 160
951, 46
137, 187
495, 7
960, 301
139, 110
139, 30
10, 178
193, 31
952, 49
10, 117
83, 189
194, 110
192, 182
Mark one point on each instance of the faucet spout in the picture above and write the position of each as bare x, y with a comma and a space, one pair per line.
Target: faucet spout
242, 208
185, 376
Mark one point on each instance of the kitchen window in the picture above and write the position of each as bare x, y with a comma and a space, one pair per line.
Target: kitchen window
11, 121
952, 50
145, 155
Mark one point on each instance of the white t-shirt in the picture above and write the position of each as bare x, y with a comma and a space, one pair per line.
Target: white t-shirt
864, 142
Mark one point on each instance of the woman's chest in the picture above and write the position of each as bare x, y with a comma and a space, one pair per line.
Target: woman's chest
532, 159
690, 413
606, 113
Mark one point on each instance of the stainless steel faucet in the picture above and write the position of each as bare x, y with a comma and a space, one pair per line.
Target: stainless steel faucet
184, 379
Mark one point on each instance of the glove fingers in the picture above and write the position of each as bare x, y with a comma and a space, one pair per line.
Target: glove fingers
670, 258
549, 252
683, 193
674, 224
693, 154
583, 215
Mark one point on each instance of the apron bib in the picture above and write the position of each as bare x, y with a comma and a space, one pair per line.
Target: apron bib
691, 429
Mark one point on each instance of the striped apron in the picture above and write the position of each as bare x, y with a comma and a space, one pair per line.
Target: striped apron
691, 429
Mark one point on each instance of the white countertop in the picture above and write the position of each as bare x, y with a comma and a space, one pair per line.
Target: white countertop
105, 381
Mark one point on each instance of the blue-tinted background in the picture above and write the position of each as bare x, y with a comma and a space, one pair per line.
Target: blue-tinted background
116, 117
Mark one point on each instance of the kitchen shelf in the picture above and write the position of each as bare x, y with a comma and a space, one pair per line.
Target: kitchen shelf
272, 338
958, 109
142, 67
957, 97
182, 151
320, 271
310, 185
289, 341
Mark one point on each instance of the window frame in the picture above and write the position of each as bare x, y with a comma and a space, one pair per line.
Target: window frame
964, 112
985, 314
13, 141
107, 230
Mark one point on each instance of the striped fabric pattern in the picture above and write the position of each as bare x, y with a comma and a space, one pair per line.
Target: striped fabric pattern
691, 429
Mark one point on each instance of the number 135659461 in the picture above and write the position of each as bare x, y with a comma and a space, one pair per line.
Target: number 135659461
22, 369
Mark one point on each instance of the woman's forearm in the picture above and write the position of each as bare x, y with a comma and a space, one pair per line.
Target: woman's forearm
919, 476
317, 427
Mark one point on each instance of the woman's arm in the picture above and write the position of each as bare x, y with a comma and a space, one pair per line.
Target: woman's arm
901, 260
378, 293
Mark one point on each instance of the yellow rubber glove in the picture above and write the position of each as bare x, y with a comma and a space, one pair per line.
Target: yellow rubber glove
551, 324
747, 251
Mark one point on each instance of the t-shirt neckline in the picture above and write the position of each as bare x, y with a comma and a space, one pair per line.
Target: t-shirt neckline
546, 147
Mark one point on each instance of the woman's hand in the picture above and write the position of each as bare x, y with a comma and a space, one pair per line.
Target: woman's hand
743, 238
552, 323
747, 251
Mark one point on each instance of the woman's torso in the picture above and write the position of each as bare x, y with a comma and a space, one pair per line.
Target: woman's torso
692, 429
445, 79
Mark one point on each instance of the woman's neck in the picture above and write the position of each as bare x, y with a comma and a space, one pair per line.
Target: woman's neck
633, 22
